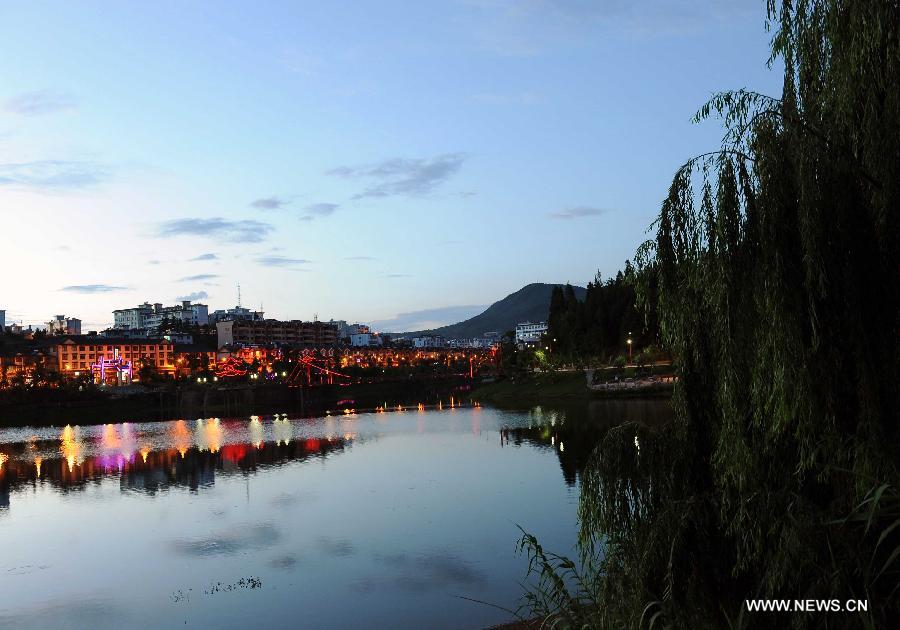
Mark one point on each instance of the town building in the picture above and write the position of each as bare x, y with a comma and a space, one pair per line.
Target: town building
19, 363
366, 340
270, 332
238, 313
62, 325
127, 333
530, 332
148, 315
2, 320
113, 361
429, 341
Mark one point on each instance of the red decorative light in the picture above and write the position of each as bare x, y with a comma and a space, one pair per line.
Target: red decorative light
231, 367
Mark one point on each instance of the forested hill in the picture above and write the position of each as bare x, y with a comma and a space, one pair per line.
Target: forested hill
531, 303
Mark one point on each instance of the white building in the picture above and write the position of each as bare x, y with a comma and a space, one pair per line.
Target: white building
62, 325
366, 340
429, 341
348, 330
150, 316
530, 332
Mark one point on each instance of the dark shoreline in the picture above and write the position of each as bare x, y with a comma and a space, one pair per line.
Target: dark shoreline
203, 401
550, 387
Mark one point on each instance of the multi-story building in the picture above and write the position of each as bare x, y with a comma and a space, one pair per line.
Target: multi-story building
366, 340
2, 320
148, 315
131, 318
238, 313
429, 341
346, 330
62, 325
269, 332
126, 333
529, 332
112, 360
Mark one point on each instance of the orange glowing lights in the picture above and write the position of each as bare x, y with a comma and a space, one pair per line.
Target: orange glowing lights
71, 446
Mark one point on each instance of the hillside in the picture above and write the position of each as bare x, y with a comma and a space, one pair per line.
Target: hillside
531, 303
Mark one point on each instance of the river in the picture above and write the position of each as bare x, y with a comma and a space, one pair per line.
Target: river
380, 520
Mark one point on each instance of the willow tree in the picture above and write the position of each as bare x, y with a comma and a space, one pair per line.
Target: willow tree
776, 263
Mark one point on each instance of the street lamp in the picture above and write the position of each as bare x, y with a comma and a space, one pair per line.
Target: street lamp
629, 347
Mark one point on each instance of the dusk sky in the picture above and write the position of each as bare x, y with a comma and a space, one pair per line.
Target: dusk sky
400, 163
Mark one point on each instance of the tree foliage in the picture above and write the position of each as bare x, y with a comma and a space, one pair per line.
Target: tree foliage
776, 262
598, 326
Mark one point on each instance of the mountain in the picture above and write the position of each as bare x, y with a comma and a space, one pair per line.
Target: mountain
531, 303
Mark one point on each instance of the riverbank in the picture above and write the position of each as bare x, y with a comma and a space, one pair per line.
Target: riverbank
191, 400
533, 389
550, 387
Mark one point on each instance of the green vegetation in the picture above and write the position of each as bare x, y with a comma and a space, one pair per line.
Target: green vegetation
534, 388
596, 328
775, 265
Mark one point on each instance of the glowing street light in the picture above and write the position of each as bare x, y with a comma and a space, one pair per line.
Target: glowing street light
629, 347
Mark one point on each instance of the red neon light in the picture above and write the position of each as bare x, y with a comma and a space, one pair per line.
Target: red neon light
231, 367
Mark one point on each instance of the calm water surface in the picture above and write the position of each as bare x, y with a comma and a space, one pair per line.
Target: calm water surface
380, 520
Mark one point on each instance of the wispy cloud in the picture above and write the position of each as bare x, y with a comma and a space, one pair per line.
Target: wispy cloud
198, 277
93, 288
322, 209
403, 176
578, 212
38, 103
269, 203
196, 295
281, 261
242, 231
204, 257
396, 275
51, 175
360, 258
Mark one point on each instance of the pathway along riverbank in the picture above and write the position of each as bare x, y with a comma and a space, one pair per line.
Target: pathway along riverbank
563, 386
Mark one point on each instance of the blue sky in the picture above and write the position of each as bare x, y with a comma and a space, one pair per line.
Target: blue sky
396, 162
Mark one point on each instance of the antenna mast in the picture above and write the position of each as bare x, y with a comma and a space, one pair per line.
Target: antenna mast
239, 294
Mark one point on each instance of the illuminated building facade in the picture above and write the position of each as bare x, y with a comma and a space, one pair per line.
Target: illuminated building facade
530, 331
194, 358
429, 341
18, 365
269, 332
114, 360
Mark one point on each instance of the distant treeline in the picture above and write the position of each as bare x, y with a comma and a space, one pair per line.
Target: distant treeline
599, 326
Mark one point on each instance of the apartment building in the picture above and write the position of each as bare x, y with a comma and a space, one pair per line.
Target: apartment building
270, 332
530, 332
111, 359
148, 315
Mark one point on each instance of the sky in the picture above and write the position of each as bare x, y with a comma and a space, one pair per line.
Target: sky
398, 163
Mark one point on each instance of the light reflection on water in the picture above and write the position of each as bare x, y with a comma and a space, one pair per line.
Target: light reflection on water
367, 520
